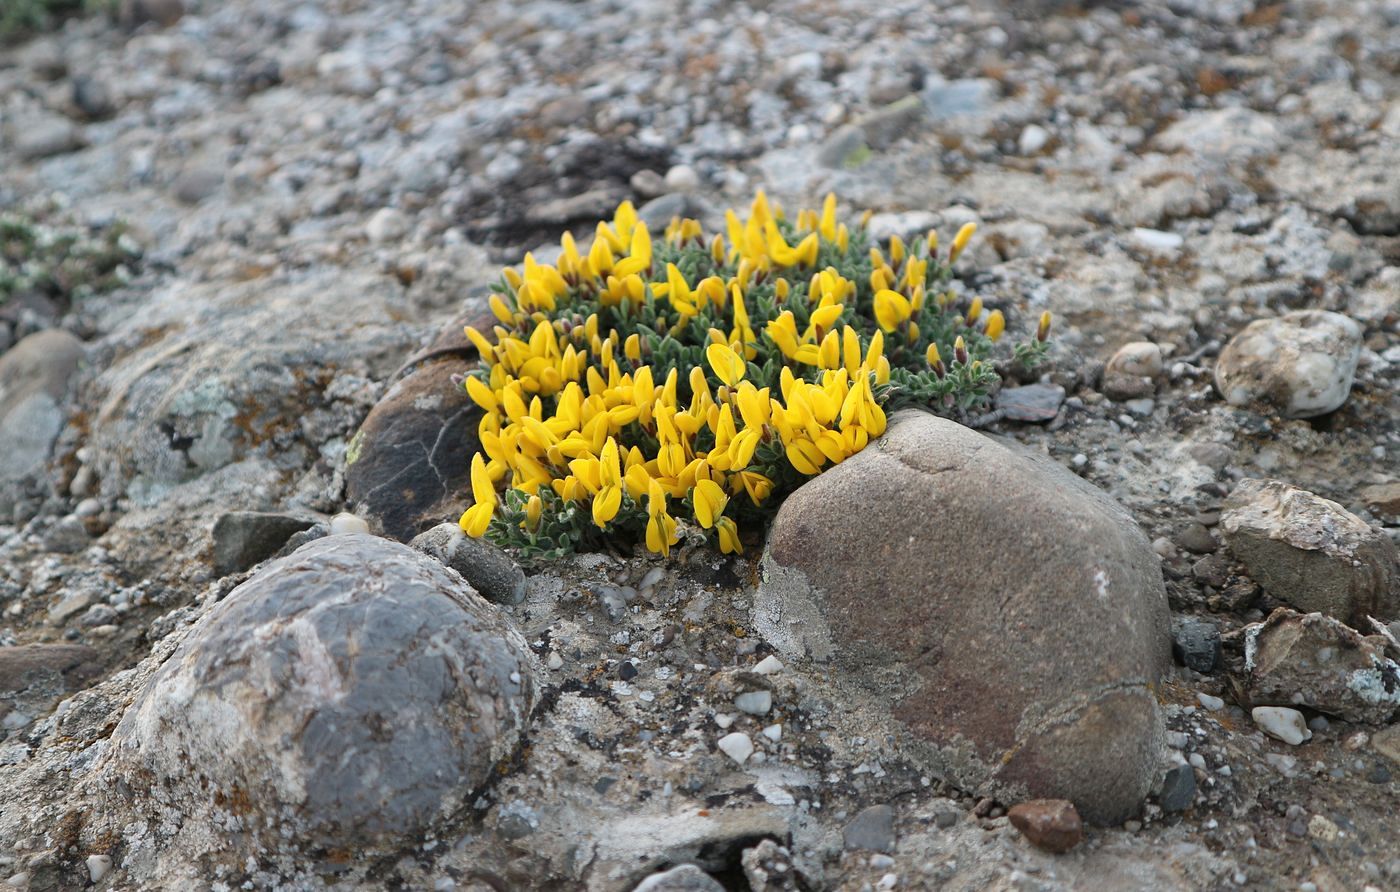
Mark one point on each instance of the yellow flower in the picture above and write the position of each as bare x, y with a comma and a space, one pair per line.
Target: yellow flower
974, 311
932, 355
960, 240
891, 309
709, 500
661, 527
1042, 331
728, 366
609, 498
996, 324
478, 517
729, 536
533, 509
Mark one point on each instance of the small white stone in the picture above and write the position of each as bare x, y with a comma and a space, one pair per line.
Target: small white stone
1214, 704
769, 665
754, 702
345, 522
99, 866
773, 732
682, 178
19, 880
555, 661
723, 719
1033, 139
1282, 723
888, 881
736, 746
386, 225
1157, 240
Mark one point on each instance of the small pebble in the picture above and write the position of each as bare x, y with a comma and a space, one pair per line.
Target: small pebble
769, 665
736, 746
345, 522
773, 732
98, 866
1282, 723
555, 661
1214, 704
754, 702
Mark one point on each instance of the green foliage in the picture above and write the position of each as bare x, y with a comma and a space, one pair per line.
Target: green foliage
61, 262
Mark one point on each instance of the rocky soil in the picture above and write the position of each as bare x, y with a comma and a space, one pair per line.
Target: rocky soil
210, 677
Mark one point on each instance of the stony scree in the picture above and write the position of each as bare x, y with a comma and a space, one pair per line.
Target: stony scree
351, 645
987, 655
1316, 661
1310, 552
1300, 364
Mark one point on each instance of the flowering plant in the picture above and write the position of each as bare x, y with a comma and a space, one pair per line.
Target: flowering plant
704, 377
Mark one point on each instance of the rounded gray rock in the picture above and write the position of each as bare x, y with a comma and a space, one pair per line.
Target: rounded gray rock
350, 695
1010, 616
1300, 364
34, 378
489, 570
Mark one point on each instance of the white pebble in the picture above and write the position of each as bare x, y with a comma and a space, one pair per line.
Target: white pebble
769, 665
1157, 240
723, 719
682, 178
98, 866
754, 702
345, 522
1214, 704
1033, 139
555, 661
387, 224
773, 732
888, 881
736, 746
1282, 723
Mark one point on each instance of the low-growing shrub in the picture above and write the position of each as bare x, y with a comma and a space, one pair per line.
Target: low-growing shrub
61, 261
643, 387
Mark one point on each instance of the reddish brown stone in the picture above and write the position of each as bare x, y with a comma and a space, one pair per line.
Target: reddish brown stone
1049, 824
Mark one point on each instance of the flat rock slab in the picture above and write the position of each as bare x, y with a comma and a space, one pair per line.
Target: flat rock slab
351, 695
1011, 616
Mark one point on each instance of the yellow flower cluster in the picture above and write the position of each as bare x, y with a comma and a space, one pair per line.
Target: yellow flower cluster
573, 407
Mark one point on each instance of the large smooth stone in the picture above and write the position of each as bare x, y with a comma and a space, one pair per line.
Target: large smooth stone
1010, 616
350, 696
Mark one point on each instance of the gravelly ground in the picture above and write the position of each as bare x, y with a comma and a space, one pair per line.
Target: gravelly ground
1161, 171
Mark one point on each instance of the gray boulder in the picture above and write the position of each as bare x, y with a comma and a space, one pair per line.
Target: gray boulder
34, 379
1300, 364
1311, 552
350, 696
1010, 616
